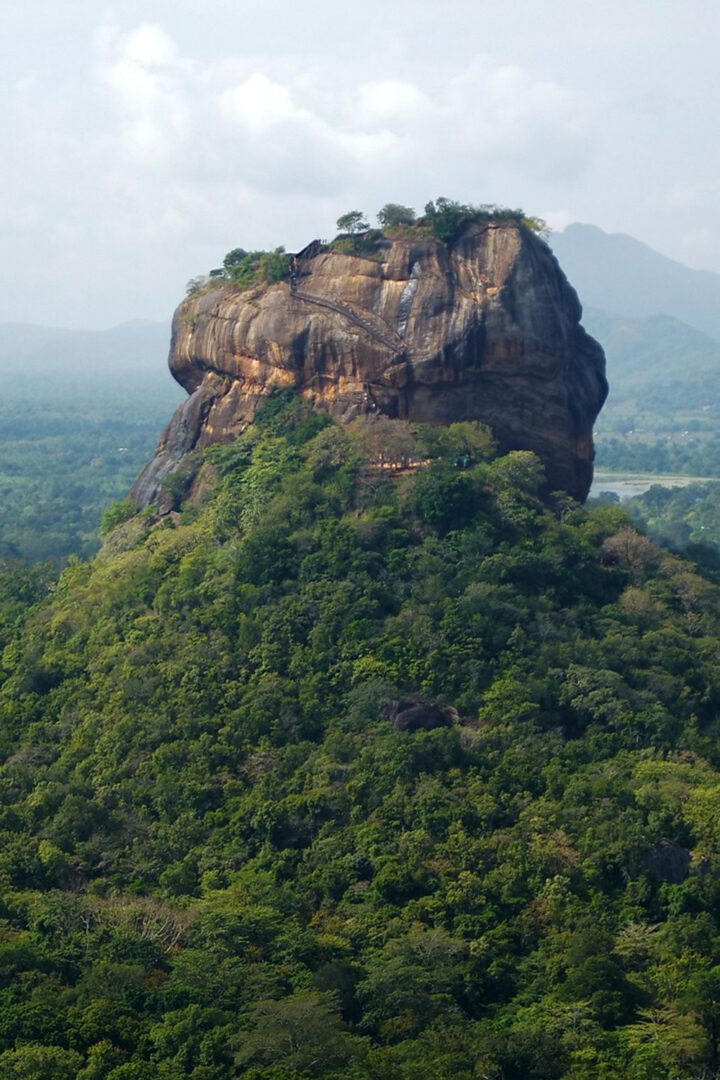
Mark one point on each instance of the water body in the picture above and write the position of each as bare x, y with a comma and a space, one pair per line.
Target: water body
625, 485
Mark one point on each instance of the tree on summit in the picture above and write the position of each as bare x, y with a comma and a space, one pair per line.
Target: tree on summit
394, 214
353, 222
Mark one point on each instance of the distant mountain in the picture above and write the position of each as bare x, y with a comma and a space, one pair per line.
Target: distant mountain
651, 349
663, 408
128, 350
617, 273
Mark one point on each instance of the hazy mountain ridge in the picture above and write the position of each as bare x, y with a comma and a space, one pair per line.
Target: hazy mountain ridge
617, 273
659, 346
132, 349
659, 323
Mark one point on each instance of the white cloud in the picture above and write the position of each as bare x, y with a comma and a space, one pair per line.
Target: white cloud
391, 102
148, 85
278, 135
150, 46
136, 156
259, 104
164, 160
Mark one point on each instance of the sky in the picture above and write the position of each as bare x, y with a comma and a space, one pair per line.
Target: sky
142, 141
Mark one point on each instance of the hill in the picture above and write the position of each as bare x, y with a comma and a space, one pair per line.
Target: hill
664, 401
658, 323
620, 274
343, 772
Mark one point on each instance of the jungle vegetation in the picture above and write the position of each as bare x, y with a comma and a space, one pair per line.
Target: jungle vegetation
219, 857
80, 414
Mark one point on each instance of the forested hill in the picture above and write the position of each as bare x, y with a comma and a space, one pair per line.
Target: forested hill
229, 850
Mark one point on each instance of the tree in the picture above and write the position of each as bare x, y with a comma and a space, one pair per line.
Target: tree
384, 441
195, 284
116, 514
411, 980
34, 1062
394, 214
353, 222
301, 1032
630, 550
234, 258
537, 225
465, 438
444, 217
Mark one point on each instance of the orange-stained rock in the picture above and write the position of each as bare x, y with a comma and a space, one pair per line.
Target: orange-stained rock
487, 329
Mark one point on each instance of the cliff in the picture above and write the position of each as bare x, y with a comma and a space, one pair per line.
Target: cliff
486, 329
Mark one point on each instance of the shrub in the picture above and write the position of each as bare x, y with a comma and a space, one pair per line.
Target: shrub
116, 514
247, 268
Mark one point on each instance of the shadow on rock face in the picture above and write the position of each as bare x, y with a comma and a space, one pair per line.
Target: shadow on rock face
669, 861
411, 714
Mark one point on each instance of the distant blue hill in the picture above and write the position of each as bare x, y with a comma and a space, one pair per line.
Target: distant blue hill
619, 274
651, 349
133, 349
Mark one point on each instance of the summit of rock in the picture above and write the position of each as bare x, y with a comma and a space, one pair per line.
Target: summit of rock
486, 328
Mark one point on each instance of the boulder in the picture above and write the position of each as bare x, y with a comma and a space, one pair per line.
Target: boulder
486, 328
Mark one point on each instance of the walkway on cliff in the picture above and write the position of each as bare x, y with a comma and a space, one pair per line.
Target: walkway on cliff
385, 338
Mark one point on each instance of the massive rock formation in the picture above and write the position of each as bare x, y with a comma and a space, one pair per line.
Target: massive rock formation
486, 328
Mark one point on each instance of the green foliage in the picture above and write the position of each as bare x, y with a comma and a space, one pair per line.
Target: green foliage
394, 215
684, 519
352, 222
302, 1033
285, 414
463, 439
366, 245
655, 452
445, 217
537, 225
33, 1062
219, 858
71, 448
116, 514
247, 268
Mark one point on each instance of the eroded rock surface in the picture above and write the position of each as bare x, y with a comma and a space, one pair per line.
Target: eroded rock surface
487, 329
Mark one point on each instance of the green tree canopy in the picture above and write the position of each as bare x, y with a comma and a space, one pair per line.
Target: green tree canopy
353, 222
394, 214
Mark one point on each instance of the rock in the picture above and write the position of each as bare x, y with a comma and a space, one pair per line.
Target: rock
411, 714
669, 861
486, 329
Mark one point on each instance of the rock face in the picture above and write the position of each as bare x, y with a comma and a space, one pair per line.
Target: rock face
414, 714
486, 329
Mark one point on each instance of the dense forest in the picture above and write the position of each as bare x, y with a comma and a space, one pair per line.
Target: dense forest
347, 770
62, 467
686, 519
80, 415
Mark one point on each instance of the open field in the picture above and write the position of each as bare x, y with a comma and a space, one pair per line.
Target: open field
627, 484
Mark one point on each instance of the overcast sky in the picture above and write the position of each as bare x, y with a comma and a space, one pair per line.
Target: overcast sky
141, 141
